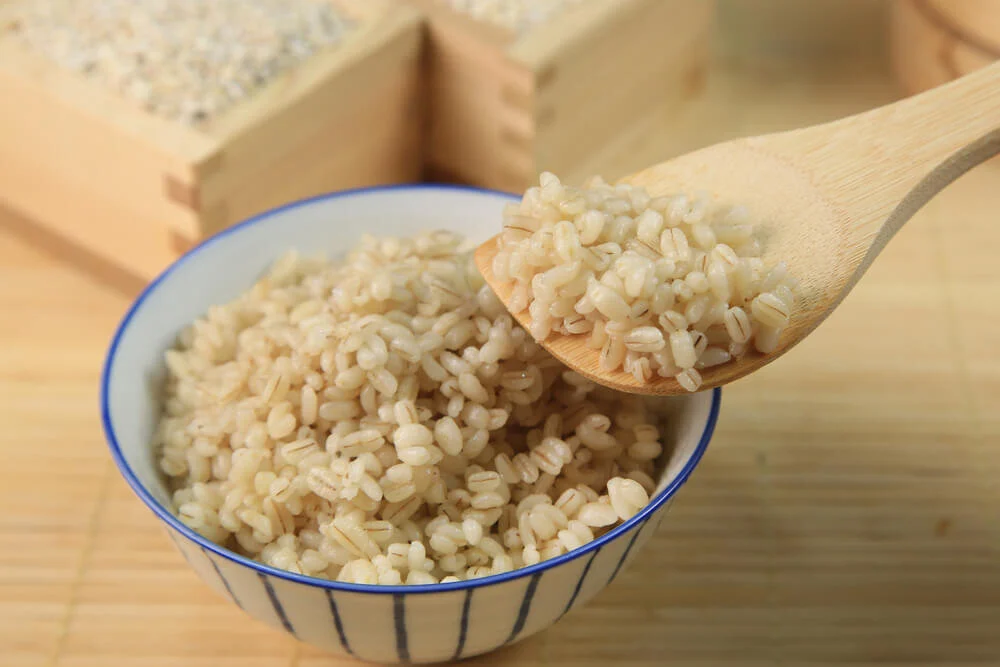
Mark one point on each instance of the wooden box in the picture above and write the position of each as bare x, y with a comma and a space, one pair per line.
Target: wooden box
504, 107
102, 176
935, 41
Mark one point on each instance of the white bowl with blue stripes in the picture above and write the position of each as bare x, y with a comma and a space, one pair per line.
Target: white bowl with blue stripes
378, 623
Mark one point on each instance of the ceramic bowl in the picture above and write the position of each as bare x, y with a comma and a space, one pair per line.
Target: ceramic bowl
378, 623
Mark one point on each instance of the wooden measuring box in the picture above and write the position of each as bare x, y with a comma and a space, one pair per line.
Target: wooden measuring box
504, 107
131, 189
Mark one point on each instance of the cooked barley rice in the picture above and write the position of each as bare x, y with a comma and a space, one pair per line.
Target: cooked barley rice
185, 60
384, 420
518, 16
661, 286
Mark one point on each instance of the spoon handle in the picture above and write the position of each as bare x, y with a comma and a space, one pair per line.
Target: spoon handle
879, 167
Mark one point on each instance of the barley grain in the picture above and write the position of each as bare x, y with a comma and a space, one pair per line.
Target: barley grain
473, 455
184, 60
655, 283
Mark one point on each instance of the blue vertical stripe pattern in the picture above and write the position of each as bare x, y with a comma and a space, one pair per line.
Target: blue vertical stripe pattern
222, 578
463, 628
662, 514
399, 614
631, 543
276, 603
579, 584
211, 561
522, 613
338, 623
178, 545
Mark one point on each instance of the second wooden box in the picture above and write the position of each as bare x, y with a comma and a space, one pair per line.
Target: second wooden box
503, 107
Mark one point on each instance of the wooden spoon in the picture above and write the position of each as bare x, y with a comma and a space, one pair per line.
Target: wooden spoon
825, 199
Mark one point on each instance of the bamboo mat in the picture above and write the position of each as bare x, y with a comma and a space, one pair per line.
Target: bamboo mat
845, 514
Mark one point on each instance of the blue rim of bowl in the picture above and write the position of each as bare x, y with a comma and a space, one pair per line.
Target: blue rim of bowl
173, 522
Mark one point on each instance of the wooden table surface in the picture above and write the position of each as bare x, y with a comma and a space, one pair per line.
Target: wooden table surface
845, 514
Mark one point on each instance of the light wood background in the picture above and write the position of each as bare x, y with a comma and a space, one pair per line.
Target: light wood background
847, 512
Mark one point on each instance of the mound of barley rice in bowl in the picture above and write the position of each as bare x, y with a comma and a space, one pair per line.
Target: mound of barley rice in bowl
383, 420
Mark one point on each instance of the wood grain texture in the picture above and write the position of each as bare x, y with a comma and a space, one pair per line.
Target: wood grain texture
845, 513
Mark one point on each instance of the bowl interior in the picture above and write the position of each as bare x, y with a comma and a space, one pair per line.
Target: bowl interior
224, 266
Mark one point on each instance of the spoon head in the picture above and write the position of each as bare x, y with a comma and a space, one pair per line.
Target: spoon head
798, 217
792, 222
572, 350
